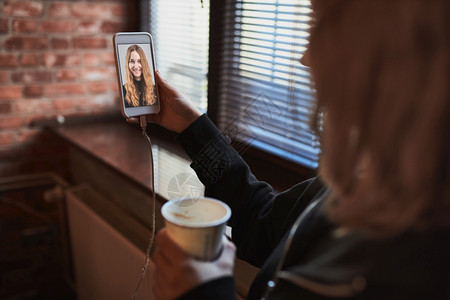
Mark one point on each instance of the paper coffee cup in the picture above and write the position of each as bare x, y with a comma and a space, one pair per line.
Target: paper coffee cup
197, 225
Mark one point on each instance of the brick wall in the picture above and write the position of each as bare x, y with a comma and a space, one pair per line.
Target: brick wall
56, 58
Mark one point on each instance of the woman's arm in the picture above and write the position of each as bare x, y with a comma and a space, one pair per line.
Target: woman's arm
260, 218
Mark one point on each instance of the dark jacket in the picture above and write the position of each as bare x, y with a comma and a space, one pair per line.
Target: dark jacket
301, 255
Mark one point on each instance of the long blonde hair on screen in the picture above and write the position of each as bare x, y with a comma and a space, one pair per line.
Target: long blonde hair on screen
381, 72
132, 96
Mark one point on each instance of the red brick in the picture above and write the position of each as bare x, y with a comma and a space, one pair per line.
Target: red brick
119, 10
85, 104
63, 105
4, 26
57, 89
91, 60
88, 27
11, 122
10, 92
59, 10
33, 91
117, 99
4, 76
6, 138
102, 102
89, 43
32, 76
24, 26
8, 61
5, 107
33, 106
26, 43
96, 74
60, 43
115, 87
58, 60
14, 8
66, 75
29, 60
92, 10
99, 87
59, 26
112, 27
109, 59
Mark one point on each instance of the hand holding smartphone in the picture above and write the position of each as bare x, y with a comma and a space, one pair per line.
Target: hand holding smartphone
135, 65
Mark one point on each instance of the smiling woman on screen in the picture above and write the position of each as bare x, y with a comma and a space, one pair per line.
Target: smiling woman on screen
138, 88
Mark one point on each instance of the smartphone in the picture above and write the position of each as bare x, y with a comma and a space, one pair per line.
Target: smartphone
135, 64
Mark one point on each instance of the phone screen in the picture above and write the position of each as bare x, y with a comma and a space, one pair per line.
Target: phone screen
136, 71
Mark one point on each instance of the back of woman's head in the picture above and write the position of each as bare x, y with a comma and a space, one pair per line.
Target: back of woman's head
381, 70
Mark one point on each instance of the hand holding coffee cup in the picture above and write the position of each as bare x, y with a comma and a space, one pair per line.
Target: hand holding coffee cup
177, 272
197, 225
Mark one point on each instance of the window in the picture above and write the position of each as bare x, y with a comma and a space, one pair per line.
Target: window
180, 31
262, 95
265, 94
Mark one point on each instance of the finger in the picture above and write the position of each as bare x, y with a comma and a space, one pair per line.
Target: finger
133, 120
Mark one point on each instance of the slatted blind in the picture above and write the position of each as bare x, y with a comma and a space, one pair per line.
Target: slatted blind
180, 31
265, 93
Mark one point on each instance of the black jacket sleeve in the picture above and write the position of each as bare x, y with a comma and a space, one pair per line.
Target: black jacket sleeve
259, 216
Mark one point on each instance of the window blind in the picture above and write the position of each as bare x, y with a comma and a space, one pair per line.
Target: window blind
180, 31
266, 95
